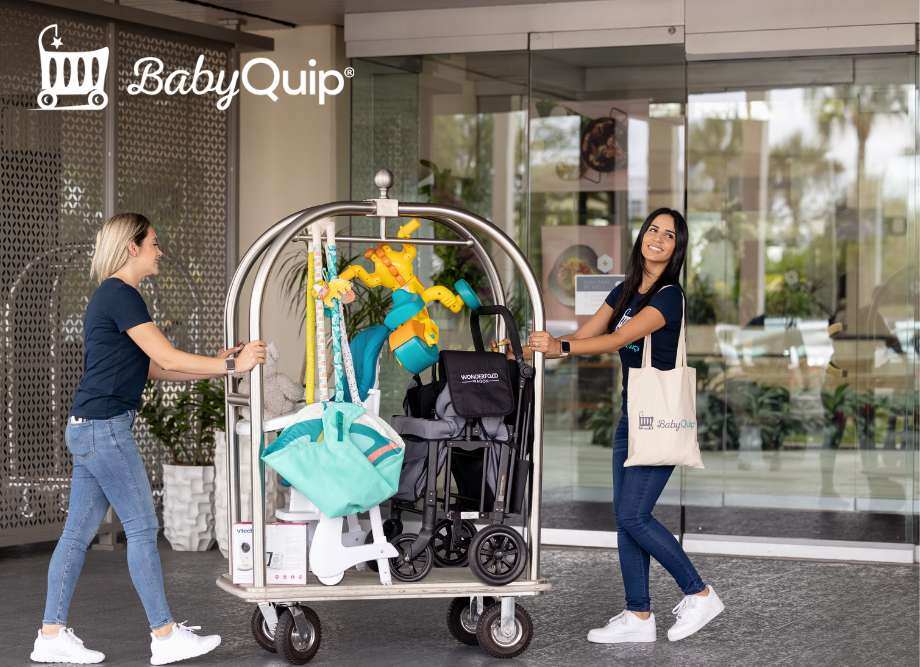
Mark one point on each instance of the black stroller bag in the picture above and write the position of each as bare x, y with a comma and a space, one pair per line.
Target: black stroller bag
480, 383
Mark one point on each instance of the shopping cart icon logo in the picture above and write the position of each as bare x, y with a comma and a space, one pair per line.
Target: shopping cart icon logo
77, 73
646, 423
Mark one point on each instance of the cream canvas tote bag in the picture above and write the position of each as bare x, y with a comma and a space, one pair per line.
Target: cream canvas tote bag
662, 411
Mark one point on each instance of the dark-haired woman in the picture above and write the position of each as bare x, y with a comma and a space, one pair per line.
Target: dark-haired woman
649, 301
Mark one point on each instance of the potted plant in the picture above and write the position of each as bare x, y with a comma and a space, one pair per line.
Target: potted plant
185, 427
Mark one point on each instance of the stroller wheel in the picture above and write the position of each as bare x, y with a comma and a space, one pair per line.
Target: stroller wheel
392, 528
499, 644
499, 555
410, 570
458, 555
462, 623
294, 648
261, 632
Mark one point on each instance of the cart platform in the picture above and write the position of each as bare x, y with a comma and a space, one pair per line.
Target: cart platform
441, 583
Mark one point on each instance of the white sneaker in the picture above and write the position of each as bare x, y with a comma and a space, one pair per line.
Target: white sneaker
63, 647
182, 644
693, 612
624, 627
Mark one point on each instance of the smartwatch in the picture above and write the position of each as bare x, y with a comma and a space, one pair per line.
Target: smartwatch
230, 365
566, 348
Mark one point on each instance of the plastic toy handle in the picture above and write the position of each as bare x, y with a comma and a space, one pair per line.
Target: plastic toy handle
408, 229
510, 325
468, 294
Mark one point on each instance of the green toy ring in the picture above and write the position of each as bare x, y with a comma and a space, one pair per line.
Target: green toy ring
468, 295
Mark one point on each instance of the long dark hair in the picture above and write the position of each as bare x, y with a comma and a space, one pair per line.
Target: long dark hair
635, 269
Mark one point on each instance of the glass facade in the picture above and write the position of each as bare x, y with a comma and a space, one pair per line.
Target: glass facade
799, 178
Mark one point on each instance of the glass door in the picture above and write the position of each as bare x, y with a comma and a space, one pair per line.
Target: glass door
606, 147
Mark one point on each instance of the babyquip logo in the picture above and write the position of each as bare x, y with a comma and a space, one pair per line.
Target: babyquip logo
72, 73
647, 423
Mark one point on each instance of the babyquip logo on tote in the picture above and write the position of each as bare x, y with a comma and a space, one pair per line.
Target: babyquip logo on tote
648, 423
71, 73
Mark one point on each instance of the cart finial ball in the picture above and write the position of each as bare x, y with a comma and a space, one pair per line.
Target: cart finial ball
383, 179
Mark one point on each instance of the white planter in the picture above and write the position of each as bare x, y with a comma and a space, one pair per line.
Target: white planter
188, 511
274, 493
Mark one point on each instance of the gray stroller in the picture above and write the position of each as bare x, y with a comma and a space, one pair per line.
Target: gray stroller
473, 424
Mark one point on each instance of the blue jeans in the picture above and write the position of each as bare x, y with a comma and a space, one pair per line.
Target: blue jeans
107, 469
639, 535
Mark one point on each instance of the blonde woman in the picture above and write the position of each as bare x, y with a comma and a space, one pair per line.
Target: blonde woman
122, 349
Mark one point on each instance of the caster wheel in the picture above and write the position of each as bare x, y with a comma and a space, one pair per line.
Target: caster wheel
261, 632
331, 581
495, 642
498, 555
289, 644
444, 555
392, 528
462, 623
414, 570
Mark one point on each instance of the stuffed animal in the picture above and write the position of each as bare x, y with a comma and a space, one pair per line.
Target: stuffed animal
281, 392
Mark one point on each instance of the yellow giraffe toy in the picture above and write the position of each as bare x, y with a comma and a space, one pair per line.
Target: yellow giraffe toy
409, 318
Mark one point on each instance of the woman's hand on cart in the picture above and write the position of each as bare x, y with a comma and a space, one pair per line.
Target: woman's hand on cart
230, 351
251, 354
541, 341
498, 345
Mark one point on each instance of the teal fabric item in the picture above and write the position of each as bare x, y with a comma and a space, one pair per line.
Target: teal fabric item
342, 465
365, 350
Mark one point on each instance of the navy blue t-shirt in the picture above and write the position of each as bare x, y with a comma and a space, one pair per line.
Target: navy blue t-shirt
114, 367
669, 301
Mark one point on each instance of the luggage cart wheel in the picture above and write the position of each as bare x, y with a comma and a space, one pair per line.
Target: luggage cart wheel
508, 642
462, 619
298, 634
262, 632
410, 570
498, 555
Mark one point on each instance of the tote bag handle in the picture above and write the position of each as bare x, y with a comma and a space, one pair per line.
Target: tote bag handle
681, 360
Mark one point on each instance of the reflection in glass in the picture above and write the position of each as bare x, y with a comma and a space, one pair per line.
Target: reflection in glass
802, 276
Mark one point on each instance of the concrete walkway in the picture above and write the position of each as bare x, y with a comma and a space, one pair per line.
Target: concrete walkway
778, 612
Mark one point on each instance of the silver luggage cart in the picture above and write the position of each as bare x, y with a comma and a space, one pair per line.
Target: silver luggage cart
479, 613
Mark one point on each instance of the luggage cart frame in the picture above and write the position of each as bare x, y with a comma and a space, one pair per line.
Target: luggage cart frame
506, 630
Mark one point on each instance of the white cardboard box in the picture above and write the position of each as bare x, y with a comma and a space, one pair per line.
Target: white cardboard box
285, 553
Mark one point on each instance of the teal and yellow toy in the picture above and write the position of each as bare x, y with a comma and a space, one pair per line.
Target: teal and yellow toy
414, 336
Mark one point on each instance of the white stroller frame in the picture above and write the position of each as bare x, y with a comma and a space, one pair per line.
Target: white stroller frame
300, 627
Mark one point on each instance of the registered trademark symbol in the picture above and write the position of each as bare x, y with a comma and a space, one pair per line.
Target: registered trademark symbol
349, 72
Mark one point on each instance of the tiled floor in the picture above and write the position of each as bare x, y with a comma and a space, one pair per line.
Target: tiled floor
778, 612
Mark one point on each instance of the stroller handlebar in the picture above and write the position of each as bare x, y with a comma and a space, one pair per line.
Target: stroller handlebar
510, 326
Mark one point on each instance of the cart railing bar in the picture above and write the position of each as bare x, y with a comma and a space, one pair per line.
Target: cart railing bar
242, 400
373, 240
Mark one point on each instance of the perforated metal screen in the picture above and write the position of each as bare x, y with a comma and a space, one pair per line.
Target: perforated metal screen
169, 161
